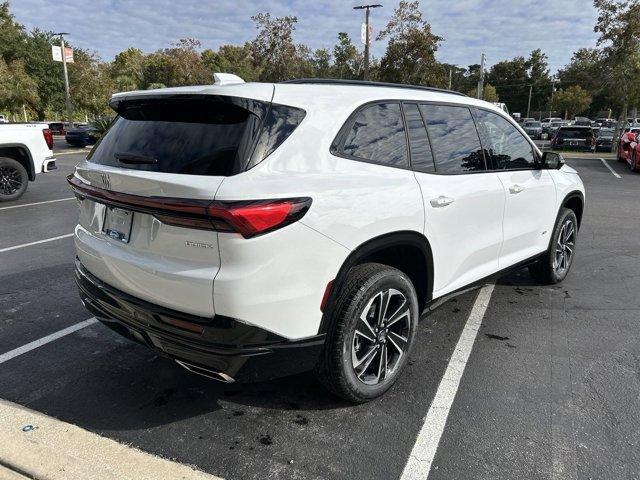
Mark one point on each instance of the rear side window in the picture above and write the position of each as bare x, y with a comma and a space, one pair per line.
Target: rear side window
377, 135
508, 148
421, 157
454, 138
214, 136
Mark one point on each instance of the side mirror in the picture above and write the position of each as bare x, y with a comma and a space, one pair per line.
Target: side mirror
552, 160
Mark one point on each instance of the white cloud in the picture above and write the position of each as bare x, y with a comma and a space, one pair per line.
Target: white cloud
500, 28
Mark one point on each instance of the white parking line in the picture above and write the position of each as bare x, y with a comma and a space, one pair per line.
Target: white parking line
419, 463
5, 357
37, 203
15, 247
604, 162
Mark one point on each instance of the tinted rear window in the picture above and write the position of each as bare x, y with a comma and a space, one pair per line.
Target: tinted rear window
377, 135
195, 136
575, 132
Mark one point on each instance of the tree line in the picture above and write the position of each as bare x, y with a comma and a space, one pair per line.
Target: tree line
596, 80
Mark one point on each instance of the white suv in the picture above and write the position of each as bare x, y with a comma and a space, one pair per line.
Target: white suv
251, 231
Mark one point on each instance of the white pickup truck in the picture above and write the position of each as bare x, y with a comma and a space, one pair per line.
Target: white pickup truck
26, 149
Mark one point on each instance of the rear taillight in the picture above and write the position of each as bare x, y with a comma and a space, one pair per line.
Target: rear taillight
48, 137
249, 218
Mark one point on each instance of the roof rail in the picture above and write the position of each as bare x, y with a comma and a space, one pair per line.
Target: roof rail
365, 83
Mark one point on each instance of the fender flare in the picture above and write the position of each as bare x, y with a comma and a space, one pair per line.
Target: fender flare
367, 249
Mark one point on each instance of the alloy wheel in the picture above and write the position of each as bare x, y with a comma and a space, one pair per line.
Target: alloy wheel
10, 180
381, 336
565, 247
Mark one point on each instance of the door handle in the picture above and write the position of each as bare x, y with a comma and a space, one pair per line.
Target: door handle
441, 201
515, 189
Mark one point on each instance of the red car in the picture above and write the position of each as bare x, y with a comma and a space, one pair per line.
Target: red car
627, 149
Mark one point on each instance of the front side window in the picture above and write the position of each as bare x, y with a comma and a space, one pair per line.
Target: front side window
454, 139
377, 135
508, 148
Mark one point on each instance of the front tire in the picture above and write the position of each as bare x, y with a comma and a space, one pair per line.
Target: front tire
374, 324
13, 179
554, 266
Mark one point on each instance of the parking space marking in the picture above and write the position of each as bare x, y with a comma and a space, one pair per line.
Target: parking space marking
419, 463
15, 247
5, 357
37, 203
615, 174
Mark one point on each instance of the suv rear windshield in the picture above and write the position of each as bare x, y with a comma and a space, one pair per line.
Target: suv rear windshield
575, 132
205, 135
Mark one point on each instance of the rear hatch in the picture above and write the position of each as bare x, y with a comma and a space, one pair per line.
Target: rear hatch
146, 187
575, 137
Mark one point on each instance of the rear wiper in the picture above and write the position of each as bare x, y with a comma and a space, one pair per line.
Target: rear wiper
134, 159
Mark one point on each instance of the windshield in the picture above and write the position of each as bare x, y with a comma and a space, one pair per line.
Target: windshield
532, 124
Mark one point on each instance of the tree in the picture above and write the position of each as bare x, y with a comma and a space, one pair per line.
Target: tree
231, 59
588, 70
127, 69
16, 87
572, 101
539, 79
511, 80
411, 49
345, 55
321, 61
489, 93
273, 50
91, 84
619, 27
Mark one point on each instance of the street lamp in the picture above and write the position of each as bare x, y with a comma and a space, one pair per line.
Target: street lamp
66, 79
366, 43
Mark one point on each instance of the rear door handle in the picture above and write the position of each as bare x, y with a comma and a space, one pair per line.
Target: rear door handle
515, 189
441, 201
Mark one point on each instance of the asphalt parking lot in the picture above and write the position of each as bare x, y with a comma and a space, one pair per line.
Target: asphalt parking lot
551, 389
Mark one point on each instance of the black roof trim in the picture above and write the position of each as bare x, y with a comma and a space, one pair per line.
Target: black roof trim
364, 83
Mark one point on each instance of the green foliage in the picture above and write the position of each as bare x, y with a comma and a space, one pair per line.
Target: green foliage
489, 94
572, 101
101, 124
608, 74
411, 49
16, 87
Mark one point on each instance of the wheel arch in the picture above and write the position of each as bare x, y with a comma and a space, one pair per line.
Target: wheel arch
574, 201
408, 251
21, 153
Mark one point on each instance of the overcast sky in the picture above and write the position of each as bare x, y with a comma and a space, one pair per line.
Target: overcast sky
500, 28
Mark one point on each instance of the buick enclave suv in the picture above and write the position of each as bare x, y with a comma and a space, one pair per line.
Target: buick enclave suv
250, 231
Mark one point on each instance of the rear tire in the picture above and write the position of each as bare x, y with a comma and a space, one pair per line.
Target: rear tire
13, 179
374, 324
633, 162
554, 266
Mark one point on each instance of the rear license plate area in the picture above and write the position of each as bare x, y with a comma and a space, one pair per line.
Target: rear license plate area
117, 224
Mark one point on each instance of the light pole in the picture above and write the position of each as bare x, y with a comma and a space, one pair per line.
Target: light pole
480, 94
66, 80
366, 43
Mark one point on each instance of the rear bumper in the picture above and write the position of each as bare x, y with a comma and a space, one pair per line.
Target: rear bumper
220, 347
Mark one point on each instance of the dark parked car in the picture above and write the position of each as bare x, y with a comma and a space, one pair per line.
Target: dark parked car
533, 129
574, 138
582, 122
57, 128
81, 136
604, 139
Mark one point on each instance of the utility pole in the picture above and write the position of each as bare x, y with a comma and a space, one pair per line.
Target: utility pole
553, 89
366, 43
66, 80
529, 104
481, 79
